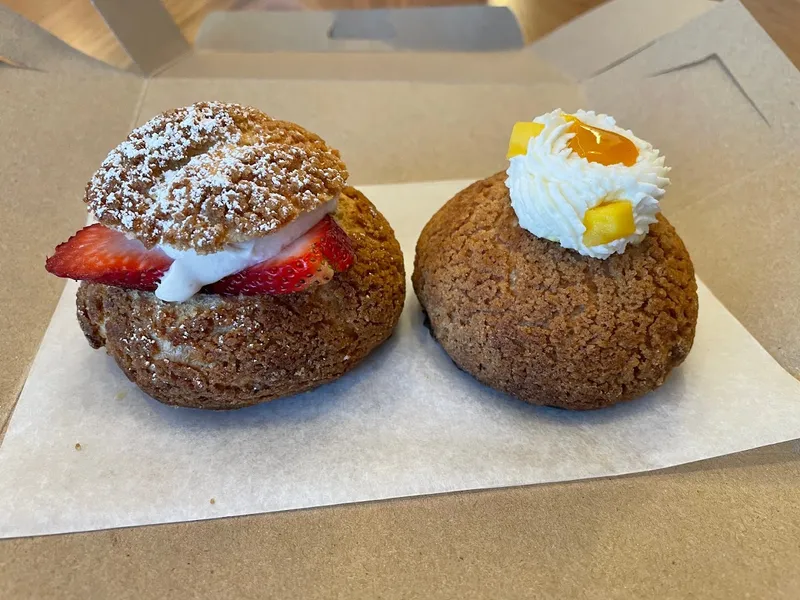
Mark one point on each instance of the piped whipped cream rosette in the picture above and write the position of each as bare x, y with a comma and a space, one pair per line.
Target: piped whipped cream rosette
583, 182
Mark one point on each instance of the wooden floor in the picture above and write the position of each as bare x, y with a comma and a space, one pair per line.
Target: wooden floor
77, 23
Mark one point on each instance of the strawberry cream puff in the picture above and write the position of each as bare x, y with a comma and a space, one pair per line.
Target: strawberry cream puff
231, 264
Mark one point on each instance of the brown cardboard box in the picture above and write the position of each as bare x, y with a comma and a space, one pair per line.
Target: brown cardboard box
713, 90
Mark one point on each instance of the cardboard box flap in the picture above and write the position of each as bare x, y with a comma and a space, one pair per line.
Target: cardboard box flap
514, 67
54, 138
613, 31
742, 109
26, 45
435, 44
730, 36
465, 28
146, 31
744, 243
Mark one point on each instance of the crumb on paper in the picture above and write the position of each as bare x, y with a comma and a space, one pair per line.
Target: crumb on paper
213, 501
121, 395
77, 447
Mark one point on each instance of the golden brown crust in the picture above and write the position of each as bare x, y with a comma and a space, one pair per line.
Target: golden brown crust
229, 352
211, 174
546, 324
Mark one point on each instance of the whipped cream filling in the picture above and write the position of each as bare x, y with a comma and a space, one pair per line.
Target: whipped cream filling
552, 187
190, 271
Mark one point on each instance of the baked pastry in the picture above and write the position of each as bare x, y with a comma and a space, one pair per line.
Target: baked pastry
231, 264
559, 282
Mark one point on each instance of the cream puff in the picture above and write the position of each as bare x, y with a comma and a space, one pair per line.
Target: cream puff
231, 264
559, 281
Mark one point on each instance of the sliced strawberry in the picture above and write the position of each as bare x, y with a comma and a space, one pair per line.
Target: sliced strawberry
102, 255
336, 247
311, 259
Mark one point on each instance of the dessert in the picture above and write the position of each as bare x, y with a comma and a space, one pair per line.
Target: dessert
559, 281
231, 264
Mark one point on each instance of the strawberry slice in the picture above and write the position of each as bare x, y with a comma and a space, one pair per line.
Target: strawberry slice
102, 255
310, 260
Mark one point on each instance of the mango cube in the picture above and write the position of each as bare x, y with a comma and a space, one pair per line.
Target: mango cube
520, 135
608, 222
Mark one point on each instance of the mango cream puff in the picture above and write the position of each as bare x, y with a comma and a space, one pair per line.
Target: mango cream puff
559, 281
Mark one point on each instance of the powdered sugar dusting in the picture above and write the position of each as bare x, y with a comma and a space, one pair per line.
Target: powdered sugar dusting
211, 174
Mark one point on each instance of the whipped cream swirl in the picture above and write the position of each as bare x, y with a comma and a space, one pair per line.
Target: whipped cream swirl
552, 187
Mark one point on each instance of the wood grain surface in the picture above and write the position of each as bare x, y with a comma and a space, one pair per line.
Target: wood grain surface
77, 22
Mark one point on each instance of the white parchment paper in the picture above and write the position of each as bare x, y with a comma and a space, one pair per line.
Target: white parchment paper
405, 422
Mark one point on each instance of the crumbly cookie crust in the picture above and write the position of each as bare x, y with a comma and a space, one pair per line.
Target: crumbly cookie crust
212, 174
229, 352
543, 323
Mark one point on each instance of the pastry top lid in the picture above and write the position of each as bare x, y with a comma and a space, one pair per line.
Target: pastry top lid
211, 174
